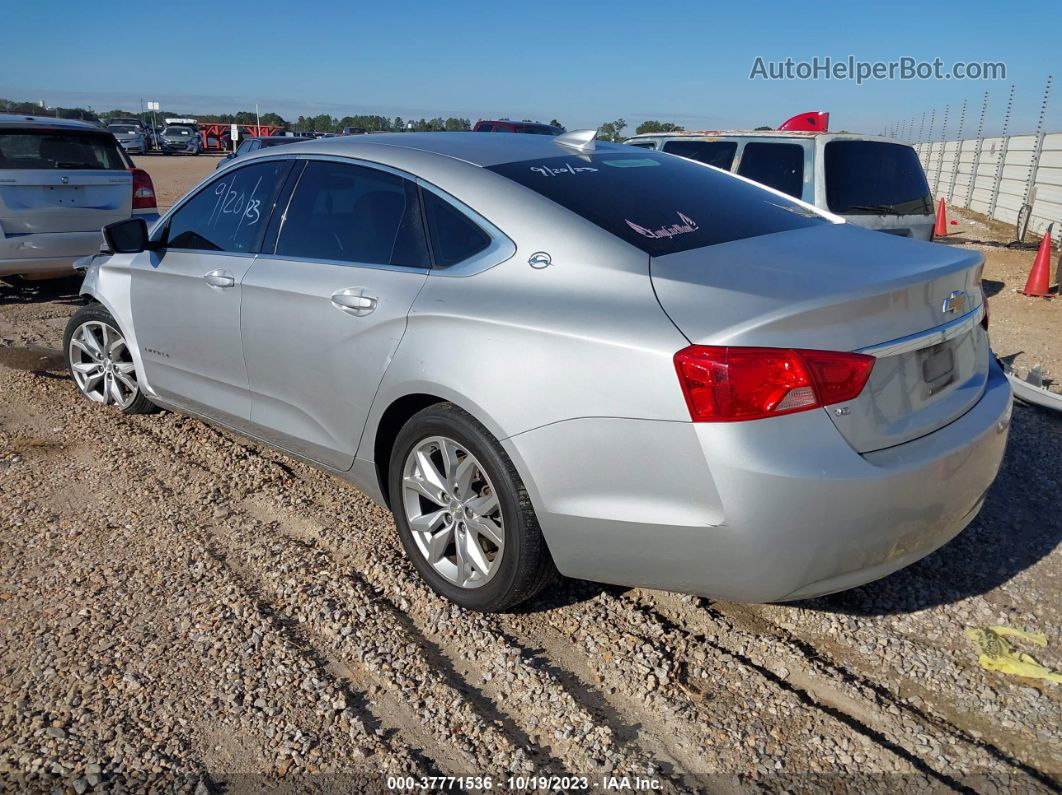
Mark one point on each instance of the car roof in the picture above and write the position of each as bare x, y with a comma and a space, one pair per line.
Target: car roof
515, 121
42, 122
474, 148
697, 134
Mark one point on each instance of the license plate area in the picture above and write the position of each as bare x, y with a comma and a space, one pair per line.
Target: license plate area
938, 367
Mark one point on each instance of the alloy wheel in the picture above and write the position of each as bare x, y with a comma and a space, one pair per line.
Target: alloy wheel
453, 512
102, 365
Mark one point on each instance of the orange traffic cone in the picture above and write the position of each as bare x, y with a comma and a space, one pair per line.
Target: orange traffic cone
940, 229
1038, 277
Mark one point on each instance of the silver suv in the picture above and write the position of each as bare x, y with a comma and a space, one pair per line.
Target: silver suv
871, 182
61, 181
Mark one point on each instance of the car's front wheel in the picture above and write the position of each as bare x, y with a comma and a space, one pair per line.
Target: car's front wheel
101, 363
463, 514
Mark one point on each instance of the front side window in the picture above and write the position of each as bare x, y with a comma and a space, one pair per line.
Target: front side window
642, 144
229, 214
659, 203
713, 153
454, 236
347, 213
778, 166
50, 149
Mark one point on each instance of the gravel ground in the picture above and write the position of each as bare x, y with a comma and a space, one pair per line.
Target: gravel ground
181, 609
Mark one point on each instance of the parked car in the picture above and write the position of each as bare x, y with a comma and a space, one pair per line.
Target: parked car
250, 145
870, 181
540, 351
61, 181
529, 127
146, 129
180, 139
132, 139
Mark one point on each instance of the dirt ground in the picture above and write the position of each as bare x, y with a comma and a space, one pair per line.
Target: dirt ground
174, 175
184, 609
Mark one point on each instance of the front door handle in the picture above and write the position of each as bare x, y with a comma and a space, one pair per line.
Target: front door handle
219, 278
354, 301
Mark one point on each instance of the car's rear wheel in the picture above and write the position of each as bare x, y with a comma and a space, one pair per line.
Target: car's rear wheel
101, 363
463, 514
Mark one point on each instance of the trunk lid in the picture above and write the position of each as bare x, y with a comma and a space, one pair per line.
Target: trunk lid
35, 202
914, 306
61, 179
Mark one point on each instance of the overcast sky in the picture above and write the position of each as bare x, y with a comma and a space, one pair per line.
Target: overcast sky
582, 63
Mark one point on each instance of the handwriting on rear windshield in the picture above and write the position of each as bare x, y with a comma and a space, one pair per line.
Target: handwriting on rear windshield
567, 168
686, 226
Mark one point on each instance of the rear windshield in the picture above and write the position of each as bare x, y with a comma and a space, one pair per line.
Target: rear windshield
537, 129
48, 149
659, 203
714, 153
875, 177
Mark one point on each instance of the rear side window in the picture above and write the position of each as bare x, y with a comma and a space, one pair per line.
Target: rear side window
48, 149
873, 177
484, 128
714, 153
778, 166
346, 213
642, 144
659, 203
229, 214
454, 236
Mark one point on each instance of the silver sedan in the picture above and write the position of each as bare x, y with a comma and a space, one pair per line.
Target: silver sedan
558, 354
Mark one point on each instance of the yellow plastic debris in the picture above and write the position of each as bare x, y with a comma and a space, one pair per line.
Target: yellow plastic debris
995, 654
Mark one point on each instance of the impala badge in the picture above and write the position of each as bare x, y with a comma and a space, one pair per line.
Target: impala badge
955, 303
539, 260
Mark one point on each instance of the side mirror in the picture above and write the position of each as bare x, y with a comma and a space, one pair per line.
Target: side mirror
129, 236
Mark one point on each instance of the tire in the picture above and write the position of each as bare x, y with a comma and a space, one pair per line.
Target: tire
100, 363
520, 567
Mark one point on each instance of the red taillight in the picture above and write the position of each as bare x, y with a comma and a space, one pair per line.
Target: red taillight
728, 384
143, 190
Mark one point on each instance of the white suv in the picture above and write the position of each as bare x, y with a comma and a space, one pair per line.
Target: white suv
61, 182
869, 181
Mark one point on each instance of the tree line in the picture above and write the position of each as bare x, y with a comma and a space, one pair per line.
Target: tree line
609, 131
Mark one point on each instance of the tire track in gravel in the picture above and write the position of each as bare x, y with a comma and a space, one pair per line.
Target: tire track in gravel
842, 695
840, 684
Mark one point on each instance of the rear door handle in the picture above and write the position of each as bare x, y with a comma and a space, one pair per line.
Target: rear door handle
219, 278
354, 301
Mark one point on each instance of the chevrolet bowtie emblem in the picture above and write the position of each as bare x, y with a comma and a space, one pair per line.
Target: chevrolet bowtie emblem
955, 304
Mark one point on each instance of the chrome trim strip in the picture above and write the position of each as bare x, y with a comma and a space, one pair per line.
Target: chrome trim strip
298, 260
926, 339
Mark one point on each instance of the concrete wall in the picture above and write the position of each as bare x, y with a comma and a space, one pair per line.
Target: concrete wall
995, 180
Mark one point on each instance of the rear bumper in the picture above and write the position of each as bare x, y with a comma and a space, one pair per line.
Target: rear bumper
759, 511
46, 253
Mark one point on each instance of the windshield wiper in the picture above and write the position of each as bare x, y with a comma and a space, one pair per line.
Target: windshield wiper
883, 209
